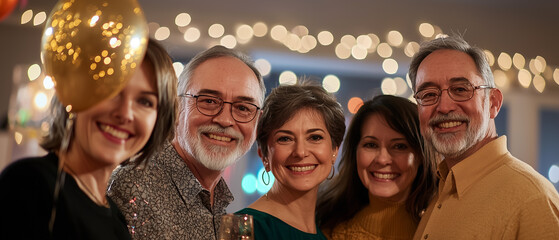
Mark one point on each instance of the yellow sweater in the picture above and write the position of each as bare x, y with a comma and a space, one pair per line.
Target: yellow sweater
491, 195
379, 220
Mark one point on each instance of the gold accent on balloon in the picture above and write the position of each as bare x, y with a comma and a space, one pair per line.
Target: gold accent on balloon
90, 48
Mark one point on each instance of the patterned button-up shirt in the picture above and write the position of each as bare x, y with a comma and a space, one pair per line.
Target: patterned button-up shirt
165, 200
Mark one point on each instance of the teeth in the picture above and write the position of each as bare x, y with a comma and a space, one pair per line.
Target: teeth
219, 138
114, 132
302, 169
385, 175
449, 124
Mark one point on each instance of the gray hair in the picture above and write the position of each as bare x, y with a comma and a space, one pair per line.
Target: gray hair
452, 43
217, 51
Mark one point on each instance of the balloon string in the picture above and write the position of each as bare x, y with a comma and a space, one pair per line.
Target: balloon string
61, 175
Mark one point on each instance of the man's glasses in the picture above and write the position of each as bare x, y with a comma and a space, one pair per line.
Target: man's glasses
211, 106
459, 92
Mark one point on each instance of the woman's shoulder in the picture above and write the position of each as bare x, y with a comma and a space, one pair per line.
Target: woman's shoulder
31, 168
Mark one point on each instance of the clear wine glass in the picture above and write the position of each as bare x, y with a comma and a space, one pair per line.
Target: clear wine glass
235, 227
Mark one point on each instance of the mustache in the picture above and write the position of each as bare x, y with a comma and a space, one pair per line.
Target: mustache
214, 128
439, 118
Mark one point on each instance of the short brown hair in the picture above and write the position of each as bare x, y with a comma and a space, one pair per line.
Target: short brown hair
284, 101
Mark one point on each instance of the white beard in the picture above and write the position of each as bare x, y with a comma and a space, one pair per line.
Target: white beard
211, 156
449, 145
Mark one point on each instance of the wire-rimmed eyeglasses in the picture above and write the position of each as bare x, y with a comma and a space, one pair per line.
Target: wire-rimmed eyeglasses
458, 92
211, 106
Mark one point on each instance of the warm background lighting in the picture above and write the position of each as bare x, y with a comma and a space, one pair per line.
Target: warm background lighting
263, 66
216, 30
331, 83
183, 19
354, 104
287, 78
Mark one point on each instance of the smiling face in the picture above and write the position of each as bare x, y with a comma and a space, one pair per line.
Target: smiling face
456, 129
386, 163
116, 129
218, 141
300, 153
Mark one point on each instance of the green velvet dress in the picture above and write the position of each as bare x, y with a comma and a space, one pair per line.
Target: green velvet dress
268, 227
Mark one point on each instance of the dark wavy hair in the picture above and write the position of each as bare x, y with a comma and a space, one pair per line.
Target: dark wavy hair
346, 195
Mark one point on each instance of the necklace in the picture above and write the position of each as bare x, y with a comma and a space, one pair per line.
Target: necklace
97, 200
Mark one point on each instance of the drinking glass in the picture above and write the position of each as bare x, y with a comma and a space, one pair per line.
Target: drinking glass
235, 227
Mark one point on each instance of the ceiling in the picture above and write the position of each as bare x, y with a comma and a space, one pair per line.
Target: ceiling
527, 27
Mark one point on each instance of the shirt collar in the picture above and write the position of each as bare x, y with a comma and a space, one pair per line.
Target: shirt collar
476, 166
187, 184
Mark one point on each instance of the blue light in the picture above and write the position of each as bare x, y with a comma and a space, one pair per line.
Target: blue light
554, 174
260, 186
249, 184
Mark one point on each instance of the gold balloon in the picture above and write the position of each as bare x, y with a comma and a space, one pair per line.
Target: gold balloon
90, 48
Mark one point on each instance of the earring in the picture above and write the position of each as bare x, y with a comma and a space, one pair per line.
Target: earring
330, 176
268, 176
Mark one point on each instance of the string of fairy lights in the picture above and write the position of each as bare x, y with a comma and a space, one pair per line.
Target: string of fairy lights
509, 69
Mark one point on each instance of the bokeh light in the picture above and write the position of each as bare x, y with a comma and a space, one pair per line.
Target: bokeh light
411, 48
229, 41
504, 61
39, 18
26, 16
263, 66
249, 183
178, 66
40, 100
395, 38
501, 79
325, 38
556, 76
354, 104
331, 83
401, 86
384, 50
490, 57
426, 30
287, 78
358, 52
343, 51
518, 61
183, 19
48, 83
539, 83
278, 32
260, 29
524, 78
390, 66
191, 34
216, 30
388, 86
33, 72
162, 33
553, 174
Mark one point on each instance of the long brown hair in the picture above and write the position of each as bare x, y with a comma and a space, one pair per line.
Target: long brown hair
345, 195
166, 81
